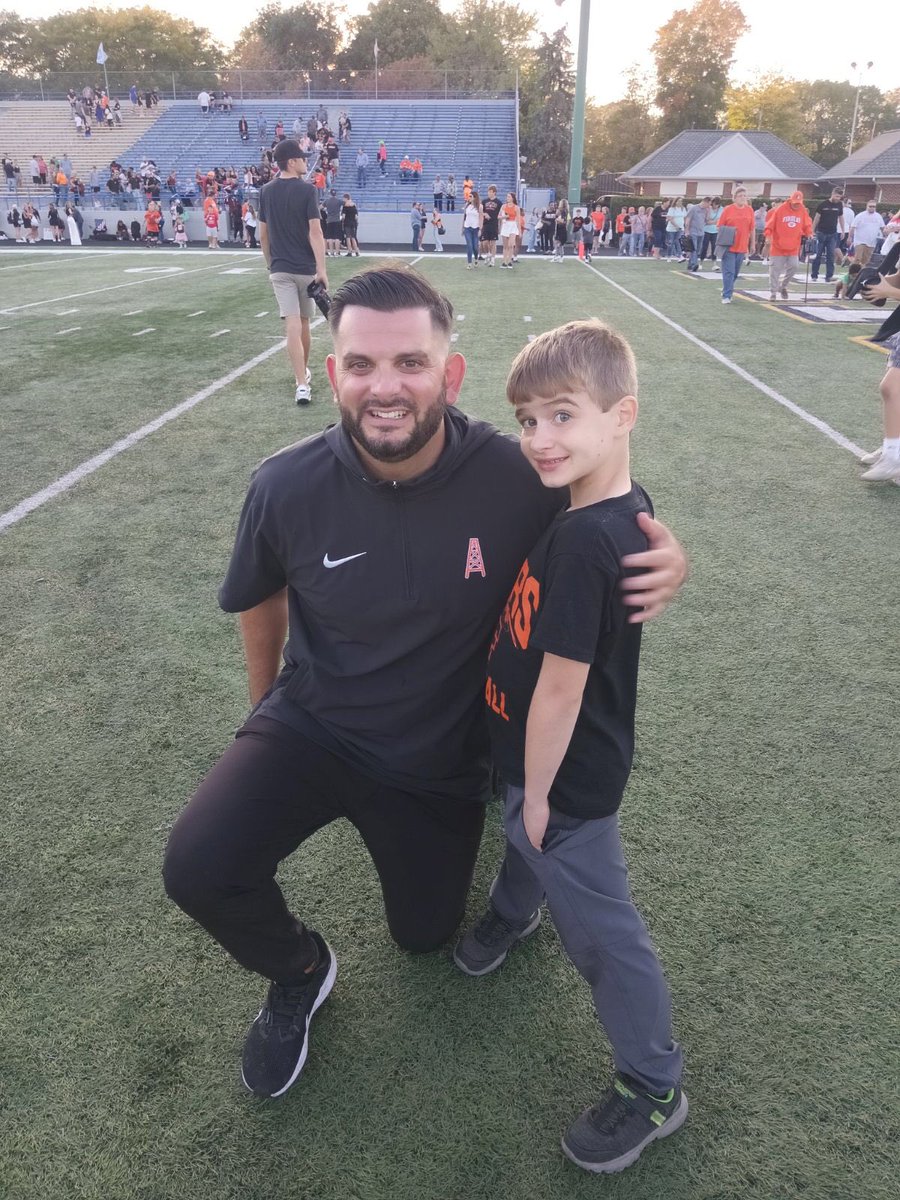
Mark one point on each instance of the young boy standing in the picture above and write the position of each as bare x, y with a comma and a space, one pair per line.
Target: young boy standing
561, 697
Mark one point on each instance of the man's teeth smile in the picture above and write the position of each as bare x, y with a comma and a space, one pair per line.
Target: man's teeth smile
388, 414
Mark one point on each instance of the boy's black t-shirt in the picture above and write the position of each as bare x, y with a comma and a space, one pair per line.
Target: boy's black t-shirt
491, 209
566, 602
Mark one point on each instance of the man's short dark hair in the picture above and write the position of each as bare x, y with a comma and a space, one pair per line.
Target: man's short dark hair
389, 289
839, 191
286, 149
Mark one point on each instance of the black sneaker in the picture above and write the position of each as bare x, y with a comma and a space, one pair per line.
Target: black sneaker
278, 1040
611, 1135
488, 942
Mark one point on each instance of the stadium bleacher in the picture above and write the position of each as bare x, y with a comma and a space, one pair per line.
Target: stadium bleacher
29, 127
458, 137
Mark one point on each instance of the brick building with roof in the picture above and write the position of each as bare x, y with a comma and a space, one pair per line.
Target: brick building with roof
872, 172
712, 162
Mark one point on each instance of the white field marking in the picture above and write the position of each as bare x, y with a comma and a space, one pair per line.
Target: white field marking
219, 333
65, 312
454, 337
38, 254
74, 329
3, 328
65, 482
153, 270
135, 312
418, 258
111, 288
141, 332
816, 422
526, 318
263, 314
460, 316
240, 271
198, 313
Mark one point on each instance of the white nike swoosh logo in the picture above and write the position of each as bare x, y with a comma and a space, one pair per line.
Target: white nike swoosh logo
337, 562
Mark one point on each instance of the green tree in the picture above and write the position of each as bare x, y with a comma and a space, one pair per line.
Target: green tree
16, 43
694, 51
482, 42
306, 37
827, 107
546, 96
620, 134
770, 102
402, 28
136, 40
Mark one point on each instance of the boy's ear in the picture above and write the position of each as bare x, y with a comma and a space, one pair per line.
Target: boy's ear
627, 411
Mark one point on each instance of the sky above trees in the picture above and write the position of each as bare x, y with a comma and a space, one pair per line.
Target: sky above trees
782, 39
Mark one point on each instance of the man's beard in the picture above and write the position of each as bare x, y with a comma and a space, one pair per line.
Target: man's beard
384, 448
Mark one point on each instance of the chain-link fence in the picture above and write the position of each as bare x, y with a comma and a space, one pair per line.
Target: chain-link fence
388, 84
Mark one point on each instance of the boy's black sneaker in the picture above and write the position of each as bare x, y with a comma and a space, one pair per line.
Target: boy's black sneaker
277, 1042
611, 1135
488, 942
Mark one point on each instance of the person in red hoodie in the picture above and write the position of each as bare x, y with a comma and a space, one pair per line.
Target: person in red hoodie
786, 225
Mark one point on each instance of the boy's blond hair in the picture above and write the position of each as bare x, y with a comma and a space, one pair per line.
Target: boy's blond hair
579, 356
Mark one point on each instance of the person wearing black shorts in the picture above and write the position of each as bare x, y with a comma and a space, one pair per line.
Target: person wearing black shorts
350, 224
376, 714
560, 231
490, 230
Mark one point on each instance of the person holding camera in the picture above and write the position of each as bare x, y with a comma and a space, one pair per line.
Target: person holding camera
293, 244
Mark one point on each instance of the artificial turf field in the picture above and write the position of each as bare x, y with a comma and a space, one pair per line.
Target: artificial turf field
760, 820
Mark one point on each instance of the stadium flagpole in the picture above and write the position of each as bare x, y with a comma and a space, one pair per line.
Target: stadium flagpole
102, 56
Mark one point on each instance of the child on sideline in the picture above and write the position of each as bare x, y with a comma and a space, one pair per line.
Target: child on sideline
561, 696
849, 270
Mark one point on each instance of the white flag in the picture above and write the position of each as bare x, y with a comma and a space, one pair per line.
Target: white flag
102, 56
376, 47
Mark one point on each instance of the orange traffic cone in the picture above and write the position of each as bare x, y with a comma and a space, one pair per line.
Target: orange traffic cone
581, 249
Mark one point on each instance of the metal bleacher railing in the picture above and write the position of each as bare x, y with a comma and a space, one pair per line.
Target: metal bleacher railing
245, 85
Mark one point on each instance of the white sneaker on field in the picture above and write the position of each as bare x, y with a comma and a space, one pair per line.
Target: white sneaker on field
869, 460
887, 467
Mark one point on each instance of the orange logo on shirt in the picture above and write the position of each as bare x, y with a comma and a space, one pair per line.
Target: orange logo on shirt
521, 607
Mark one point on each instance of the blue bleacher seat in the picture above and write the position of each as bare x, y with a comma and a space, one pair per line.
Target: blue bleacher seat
451, 136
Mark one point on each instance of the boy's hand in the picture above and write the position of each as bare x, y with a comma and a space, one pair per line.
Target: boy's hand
535, 816
665, 569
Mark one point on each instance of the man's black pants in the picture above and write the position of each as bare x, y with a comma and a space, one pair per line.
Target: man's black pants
270, 791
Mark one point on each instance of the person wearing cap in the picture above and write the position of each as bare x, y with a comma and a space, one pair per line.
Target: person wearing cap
290, 234
786, 226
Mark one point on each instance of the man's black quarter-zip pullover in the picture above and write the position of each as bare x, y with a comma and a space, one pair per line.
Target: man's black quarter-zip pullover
393, 592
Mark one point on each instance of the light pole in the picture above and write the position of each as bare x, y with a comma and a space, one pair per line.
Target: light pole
853, 67
576, 154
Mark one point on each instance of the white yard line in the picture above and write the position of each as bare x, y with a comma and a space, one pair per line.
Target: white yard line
65, 312
808, 417
220, 332
199, 313
74, 329
111, 288
263, 314
141, 332
135, 312
38, 254
65, 482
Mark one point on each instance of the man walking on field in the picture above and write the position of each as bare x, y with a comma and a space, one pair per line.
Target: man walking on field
787, 225
290, 234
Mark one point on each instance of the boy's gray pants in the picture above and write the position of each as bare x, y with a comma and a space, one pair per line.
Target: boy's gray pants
582, 875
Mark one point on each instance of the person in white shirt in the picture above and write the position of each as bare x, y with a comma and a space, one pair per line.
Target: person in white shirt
865, 232
203, 100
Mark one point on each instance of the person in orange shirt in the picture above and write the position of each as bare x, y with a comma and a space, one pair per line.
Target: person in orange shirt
152, 219
786, 226
509, 229
468, 185
736, 217
417, 169
405, 166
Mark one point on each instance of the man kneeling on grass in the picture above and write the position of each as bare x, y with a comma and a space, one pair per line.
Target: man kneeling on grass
561, 694
384, 549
